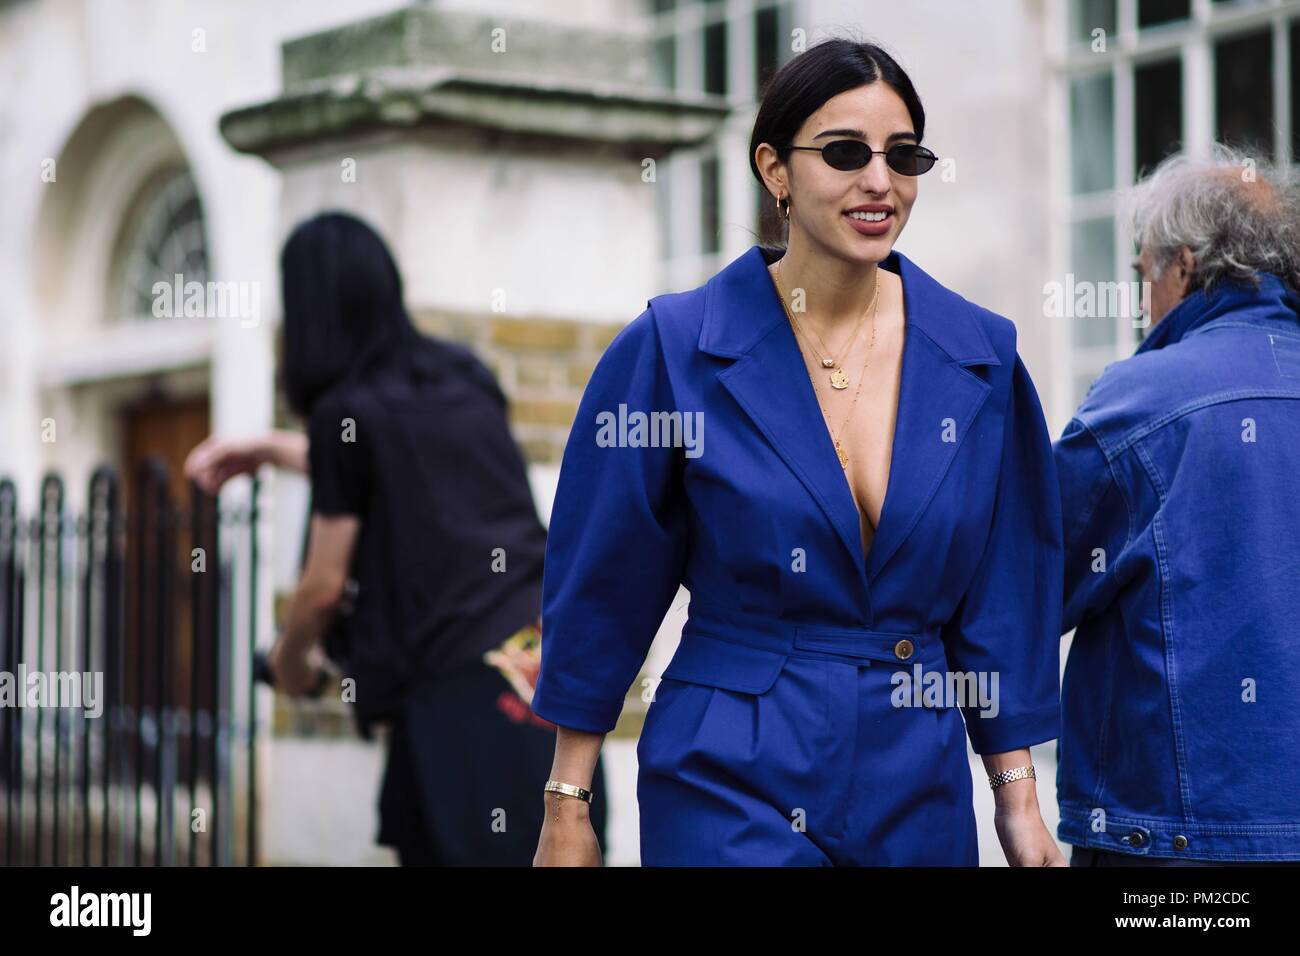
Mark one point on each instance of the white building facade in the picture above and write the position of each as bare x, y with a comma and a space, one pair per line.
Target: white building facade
116, 167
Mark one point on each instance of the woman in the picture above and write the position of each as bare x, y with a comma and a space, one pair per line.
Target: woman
419, 494
872, 502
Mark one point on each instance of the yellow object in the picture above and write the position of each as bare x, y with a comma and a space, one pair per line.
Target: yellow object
519, 659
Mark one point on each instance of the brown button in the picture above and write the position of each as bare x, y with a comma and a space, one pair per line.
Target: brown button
1136, 838
1180, 842
903, 649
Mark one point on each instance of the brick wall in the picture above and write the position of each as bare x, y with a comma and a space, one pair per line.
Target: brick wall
543, 366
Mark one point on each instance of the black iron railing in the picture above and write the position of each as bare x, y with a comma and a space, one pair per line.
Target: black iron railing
136, 743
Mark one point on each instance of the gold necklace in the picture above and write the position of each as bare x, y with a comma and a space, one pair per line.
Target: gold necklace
835, 436
840, 453
839, 378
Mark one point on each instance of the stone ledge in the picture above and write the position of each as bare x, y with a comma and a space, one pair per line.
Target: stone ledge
634, 122
421, 35
421, 66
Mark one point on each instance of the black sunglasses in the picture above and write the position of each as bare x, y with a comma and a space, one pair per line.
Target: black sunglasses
909, 159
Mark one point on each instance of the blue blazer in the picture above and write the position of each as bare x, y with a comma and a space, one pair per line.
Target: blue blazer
1180, 481
759, 524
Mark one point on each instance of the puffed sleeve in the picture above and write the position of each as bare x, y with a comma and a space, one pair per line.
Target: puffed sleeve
616, 545
1008, 622
1097, 524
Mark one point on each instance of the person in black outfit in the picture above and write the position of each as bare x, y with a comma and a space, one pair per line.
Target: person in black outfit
420, 499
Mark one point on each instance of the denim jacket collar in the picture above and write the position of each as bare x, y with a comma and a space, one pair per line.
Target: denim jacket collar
1273, 300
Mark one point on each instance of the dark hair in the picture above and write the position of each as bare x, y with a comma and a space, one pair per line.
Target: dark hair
805, 83
343, 306
344, 316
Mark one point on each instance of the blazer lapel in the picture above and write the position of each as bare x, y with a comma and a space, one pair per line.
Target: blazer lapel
744, 320
771, 384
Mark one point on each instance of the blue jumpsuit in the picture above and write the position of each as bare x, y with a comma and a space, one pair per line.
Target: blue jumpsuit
783, 731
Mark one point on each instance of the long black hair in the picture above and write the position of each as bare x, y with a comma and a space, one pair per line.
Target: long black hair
344, 315
800, 88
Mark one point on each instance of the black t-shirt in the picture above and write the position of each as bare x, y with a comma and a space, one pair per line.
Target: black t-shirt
448, 562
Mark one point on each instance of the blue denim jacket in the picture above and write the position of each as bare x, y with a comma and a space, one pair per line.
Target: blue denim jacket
1180, 492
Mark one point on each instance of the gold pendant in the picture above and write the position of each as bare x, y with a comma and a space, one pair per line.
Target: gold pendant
843, 456
828, 363
839, 379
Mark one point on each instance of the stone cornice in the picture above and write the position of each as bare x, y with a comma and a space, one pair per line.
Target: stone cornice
641, 122
420, 66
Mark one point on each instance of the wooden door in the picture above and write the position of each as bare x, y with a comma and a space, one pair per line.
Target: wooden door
159, 601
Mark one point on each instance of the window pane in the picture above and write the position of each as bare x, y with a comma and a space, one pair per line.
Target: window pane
709, 214
766, 44
665, 61
167, 237
1089, 15
1092, 140
1243, 92
1295, 90
1092, 252
1154, 12
715, 58
1157, 112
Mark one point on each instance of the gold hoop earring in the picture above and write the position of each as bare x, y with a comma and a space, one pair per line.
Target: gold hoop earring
784, 214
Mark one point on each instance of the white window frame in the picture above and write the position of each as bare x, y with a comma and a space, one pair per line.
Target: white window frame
1193, 42
687, 264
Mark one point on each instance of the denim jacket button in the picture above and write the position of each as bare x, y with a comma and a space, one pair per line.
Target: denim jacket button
1180, 842
903, 650
1136, 838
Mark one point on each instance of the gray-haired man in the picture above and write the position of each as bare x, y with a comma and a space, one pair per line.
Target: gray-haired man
1180, 487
